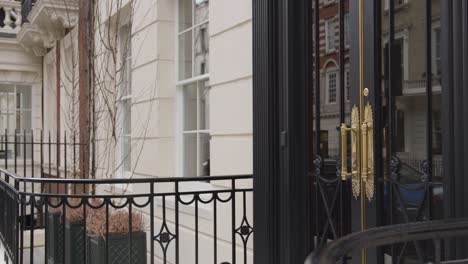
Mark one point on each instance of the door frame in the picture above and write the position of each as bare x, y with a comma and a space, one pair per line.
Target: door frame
282, 59
281, 127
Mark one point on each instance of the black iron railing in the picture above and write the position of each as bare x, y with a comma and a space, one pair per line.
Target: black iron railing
155, 210
50, 216
38, 154
434, 232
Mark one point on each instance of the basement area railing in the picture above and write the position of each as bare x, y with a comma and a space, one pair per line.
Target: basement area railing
141, 220
431, 235
39, 154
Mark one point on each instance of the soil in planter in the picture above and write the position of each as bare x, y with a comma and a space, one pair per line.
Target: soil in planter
119, 251
54, 239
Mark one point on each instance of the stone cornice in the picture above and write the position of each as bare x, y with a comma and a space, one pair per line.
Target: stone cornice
48, 22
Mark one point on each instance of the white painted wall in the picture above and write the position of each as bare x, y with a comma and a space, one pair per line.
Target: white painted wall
154, 105
20, 67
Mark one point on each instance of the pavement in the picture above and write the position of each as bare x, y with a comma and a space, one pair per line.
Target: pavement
38, 252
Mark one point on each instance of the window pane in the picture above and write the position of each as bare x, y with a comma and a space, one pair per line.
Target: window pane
6, 91
24, 96
24, 120
201, 49
3, 101
190, 154
201, 11
125, 60
437, 70
7, 121
332, 87
330, 34
204, 155
126, 117
346, 28
185, 14
190, 107
185, 55
127, 154
204, 106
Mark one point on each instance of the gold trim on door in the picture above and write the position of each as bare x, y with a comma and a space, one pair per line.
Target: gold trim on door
362, 140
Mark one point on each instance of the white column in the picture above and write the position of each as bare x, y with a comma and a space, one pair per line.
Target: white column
7, 20
17, 15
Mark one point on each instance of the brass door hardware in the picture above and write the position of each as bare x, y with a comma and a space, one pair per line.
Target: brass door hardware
362, 141
362, 150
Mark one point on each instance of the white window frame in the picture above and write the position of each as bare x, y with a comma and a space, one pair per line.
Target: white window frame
404, 35
327, 85
16, 110
19, 132
181, 83
197, 131
191, 29
328, 22
122, 171
328, 2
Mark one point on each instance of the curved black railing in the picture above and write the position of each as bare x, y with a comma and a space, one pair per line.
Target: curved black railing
141, 220
435, 231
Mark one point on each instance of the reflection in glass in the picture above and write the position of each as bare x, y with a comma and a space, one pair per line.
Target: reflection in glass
201, 11
204, 155
190, 107
190, 154
196, 129
201, 49
185, 55
15, 107
412, 120
185, 14
204, 106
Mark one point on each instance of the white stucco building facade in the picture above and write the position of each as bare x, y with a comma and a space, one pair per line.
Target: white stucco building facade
178, 75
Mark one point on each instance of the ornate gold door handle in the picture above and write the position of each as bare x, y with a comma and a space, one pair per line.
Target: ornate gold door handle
362, 150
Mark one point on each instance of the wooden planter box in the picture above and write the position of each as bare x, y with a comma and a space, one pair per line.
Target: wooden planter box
74, 243
54, 239
118, 249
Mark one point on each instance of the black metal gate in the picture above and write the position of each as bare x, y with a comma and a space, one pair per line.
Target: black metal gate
399, 62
